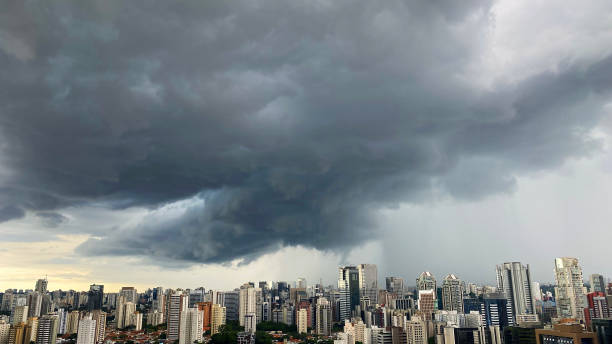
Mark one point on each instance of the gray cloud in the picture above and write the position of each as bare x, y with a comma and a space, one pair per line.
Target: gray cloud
11, 212
270, 123
51, 219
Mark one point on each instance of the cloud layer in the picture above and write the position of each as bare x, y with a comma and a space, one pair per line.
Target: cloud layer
248, 126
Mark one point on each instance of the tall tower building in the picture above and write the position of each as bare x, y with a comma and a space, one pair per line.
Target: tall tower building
368, 282
191, 325
87, 331
394, 285
426, 281
514, 280
47, 329
570, 292
247, 303
452, 294
177, 302
19, 315
323, 318
35, 304
302, 320
494, 311
597, 283
217, 318
41, 286
130, 294
100, 318
426, 303
348, 285
95, 297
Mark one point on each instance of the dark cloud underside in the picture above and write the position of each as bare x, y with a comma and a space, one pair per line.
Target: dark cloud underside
275, 123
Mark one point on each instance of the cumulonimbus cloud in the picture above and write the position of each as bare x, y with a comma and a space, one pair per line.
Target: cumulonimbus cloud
251, 125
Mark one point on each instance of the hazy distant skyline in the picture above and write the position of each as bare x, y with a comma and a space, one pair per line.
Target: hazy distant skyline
208, 144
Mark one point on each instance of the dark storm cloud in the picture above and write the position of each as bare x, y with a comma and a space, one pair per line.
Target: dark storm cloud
11, 212
261, 124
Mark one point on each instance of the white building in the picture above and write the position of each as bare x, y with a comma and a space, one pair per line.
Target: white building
191, 326
86, 333
302, 320
570, 292
247, 303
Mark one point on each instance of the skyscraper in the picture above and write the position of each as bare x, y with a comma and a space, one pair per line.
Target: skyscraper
368, 282
217, 318
452, 294
348, 285
100, 318
494, 311
426, 303
248, 302
514, 280
323, 317
302, 320
87, 331
597, 283
177, 302
426, 281
41, 286
95, 297
130, 294
394, 285
47, 329
570, 291
191, 325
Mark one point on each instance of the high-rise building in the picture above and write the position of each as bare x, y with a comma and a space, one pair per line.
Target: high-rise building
426, 281
130, 294
230, 300
17, 333
41, 286
368, 282
597, 283
35, 304
514, 280
136, 320
416, 331
494, 311
250, 322
191, 325
302, 320
95, 297
47, 329
5, 330
31, 330
217, 318
206, 308
426, 303
323, 317
100, 318
570, 292
452, 294
87, 331
72, 322
19, 315
248, 302
155, 318
394, 285
301, 283
177, 302
348, 285
597, 307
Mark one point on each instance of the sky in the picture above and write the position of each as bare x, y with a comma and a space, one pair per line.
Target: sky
213, 143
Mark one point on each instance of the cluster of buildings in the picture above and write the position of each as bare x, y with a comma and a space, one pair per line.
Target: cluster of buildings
356, 309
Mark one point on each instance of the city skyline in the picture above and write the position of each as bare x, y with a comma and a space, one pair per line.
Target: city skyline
237, 141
